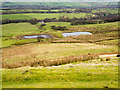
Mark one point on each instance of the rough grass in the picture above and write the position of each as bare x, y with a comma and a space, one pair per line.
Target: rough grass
87, 74
96, 38
37, 52
36, 63
101, 32
109, 42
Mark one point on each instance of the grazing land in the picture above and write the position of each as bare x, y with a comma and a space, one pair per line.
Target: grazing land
81, 61
41, 16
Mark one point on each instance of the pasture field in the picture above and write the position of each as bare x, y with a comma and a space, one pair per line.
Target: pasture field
84, 74
42, 15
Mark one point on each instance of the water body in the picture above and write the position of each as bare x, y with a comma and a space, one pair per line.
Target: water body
64, 34
36, 36
76, 33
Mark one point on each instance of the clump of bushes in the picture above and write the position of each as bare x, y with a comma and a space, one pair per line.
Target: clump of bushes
33, 21
59, 28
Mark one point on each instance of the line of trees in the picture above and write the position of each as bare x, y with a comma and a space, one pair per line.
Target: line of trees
19, 12
74, 21
7, 21
78, 10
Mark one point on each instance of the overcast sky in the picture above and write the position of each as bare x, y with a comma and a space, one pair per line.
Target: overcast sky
60, 0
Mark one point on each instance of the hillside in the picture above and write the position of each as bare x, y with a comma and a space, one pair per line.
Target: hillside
59, 4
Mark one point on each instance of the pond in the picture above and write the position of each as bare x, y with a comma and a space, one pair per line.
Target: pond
36, 36
64, 34
76, 33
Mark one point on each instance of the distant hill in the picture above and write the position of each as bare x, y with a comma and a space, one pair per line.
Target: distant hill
59, 4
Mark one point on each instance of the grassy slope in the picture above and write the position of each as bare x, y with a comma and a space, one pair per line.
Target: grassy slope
88, 74
69, 4
42, 15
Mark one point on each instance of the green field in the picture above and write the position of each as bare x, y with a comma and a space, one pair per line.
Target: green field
42, 15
